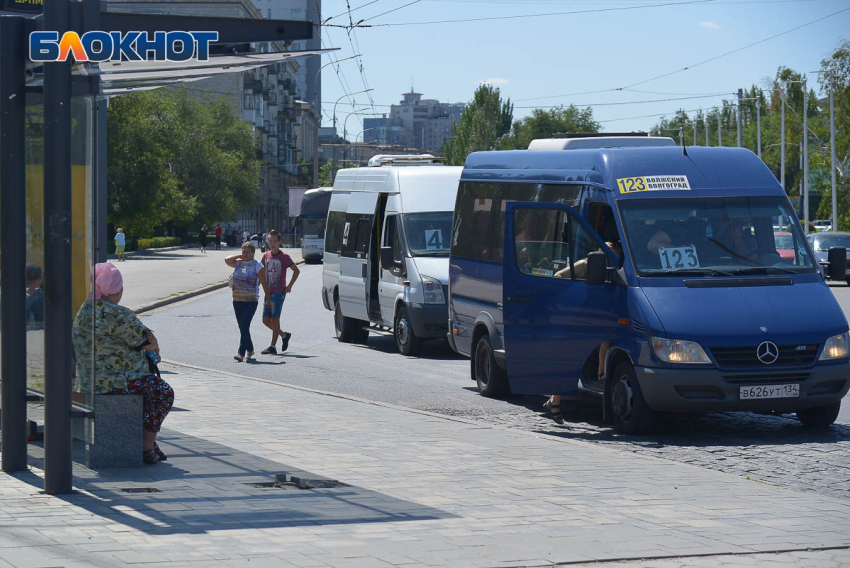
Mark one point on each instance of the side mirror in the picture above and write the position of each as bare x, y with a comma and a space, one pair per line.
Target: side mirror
597, 268
388, 263
837, 257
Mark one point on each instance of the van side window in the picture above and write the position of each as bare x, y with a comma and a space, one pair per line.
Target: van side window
393, 238
541, 241
333, 240
472, 221
359, 233
582, 245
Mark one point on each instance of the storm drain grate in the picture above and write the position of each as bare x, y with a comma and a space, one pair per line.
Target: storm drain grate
286, 481
140, 490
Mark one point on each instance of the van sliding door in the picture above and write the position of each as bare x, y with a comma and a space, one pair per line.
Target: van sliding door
356, 242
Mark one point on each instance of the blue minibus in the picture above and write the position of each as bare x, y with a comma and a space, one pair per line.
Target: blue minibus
646, 274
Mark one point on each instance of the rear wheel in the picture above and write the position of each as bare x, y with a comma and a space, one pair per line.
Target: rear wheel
405, 339
345, 327
819, 416
631, 413
491, 378
362, 333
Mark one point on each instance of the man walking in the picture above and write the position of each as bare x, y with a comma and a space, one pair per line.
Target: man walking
276, 262
218, 232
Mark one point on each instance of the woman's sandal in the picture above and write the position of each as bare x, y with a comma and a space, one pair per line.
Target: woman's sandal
150, 457
162, 455
238, 358
554, 411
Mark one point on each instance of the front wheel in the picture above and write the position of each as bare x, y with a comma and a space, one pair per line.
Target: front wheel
848, 281
405, 339
345, 327
491, 378
819, 416
631, 413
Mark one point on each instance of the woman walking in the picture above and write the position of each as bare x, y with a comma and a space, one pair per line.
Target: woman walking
202, 237
248, 274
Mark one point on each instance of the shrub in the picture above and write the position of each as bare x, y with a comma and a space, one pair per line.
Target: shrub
158, 242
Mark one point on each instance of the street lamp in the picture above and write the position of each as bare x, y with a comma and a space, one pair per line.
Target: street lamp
318, 104
347, 95
832, 163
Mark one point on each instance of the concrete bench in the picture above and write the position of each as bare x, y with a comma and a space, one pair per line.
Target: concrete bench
118, 432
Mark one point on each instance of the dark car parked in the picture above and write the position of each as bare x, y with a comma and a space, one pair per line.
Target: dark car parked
822, 242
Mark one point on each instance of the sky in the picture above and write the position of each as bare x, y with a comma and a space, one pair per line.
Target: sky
578, 58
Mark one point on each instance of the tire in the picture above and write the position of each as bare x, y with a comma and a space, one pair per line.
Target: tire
819, 416
491, 378
631, 413
405, 339
848, 281
345, 327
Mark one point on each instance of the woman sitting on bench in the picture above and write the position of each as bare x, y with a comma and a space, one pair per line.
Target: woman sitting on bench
122, 346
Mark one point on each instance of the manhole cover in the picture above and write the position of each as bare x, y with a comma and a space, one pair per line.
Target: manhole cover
140, 490
286, 481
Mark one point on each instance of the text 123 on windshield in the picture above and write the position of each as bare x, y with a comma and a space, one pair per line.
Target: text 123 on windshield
112, 46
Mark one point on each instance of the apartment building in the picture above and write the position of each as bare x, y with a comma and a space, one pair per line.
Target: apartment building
414, 123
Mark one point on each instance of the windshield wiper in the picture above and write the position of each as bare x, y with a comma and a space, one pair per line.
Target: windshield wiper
432, 253
701, 271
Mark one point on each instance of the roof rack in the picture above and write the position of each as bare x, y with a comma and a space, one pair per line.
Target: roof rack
597, 134
403, 160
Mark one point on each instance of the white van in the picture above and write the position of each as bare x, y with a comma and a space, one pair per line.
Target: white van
386, 261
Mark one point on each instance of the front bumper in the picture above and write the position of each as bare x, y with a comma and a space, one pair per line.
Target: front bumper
697, 390
428, 320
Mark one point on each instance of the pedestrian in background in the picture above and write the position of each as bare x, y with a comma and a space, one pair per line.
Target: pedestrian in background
120, 242
218, 232
35, 297
234, 236
266, 246
276, 262
202, 237
248, 274
246, 236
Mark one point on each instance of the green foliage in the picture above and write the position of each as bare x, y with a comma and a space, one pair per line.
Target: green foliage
158, 242
178, 159
546, 123
484, 124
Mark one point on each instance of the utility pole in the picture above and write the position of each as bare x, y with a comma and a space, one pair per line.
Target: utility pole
695, 131
740, 117
832, 150
758, 125
806, 155
720, 126
707, 144
782, 144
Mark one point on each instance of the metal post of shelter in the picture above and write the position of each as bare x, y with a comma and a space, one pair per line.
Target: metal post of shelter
13, 237
806, 156
57, 260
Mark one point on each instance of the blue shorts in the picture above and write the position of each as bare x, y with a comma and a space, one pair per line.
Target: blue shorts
277, 305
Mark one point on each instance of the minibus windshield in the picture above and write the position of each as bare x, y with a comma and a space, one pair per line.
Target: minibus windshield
825, 243
428, 234
713, 235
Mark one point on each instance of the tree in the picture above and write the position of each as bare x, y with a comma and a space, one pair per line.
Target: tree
839, 64
485, 122
547, 123
177, 159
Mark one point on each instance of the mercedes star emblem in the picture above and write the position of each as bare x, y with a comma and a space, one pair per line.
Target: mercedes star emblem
763, 329
767, 352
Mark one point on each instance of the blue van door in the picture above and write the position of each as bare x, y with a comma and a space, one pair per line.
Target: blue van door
553, 320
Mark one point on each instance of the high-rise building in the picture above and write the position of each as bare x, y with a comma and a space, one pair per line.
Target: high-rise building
414, 123
308, 79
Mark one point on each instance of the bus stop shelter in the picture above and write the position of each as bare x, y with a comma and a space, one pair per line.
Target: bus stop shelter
52, 189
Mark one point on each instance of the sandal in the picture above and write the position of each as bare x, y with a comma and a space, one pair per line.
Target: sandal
162, 455
554, 411
150, 457
238, 358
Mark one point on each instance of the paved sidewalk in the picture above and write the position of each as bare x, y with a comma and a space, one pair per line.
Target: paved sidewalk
420, 490
174, 274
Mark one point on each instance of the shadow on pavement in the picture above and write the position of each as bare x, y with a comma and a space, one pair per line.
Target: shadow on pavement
437, 349
583, 421
206, 487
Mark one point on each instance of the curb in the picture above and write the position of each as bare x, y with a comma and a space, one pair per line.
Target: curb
186, 296
146, 252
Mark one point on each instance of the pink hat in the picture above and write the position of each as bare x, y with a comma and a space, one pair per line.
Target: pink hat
106, 280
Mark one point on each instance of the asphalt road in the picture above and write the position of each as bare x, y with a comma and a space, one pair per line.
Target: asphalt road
202, 331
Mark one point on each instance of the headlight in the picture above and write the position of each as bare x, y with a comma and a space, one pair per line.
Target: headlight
836, 347
678, 351
433, 290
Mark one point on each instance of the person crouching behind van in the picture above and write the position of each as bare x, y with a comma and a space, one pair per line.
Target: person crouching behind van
276, 262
